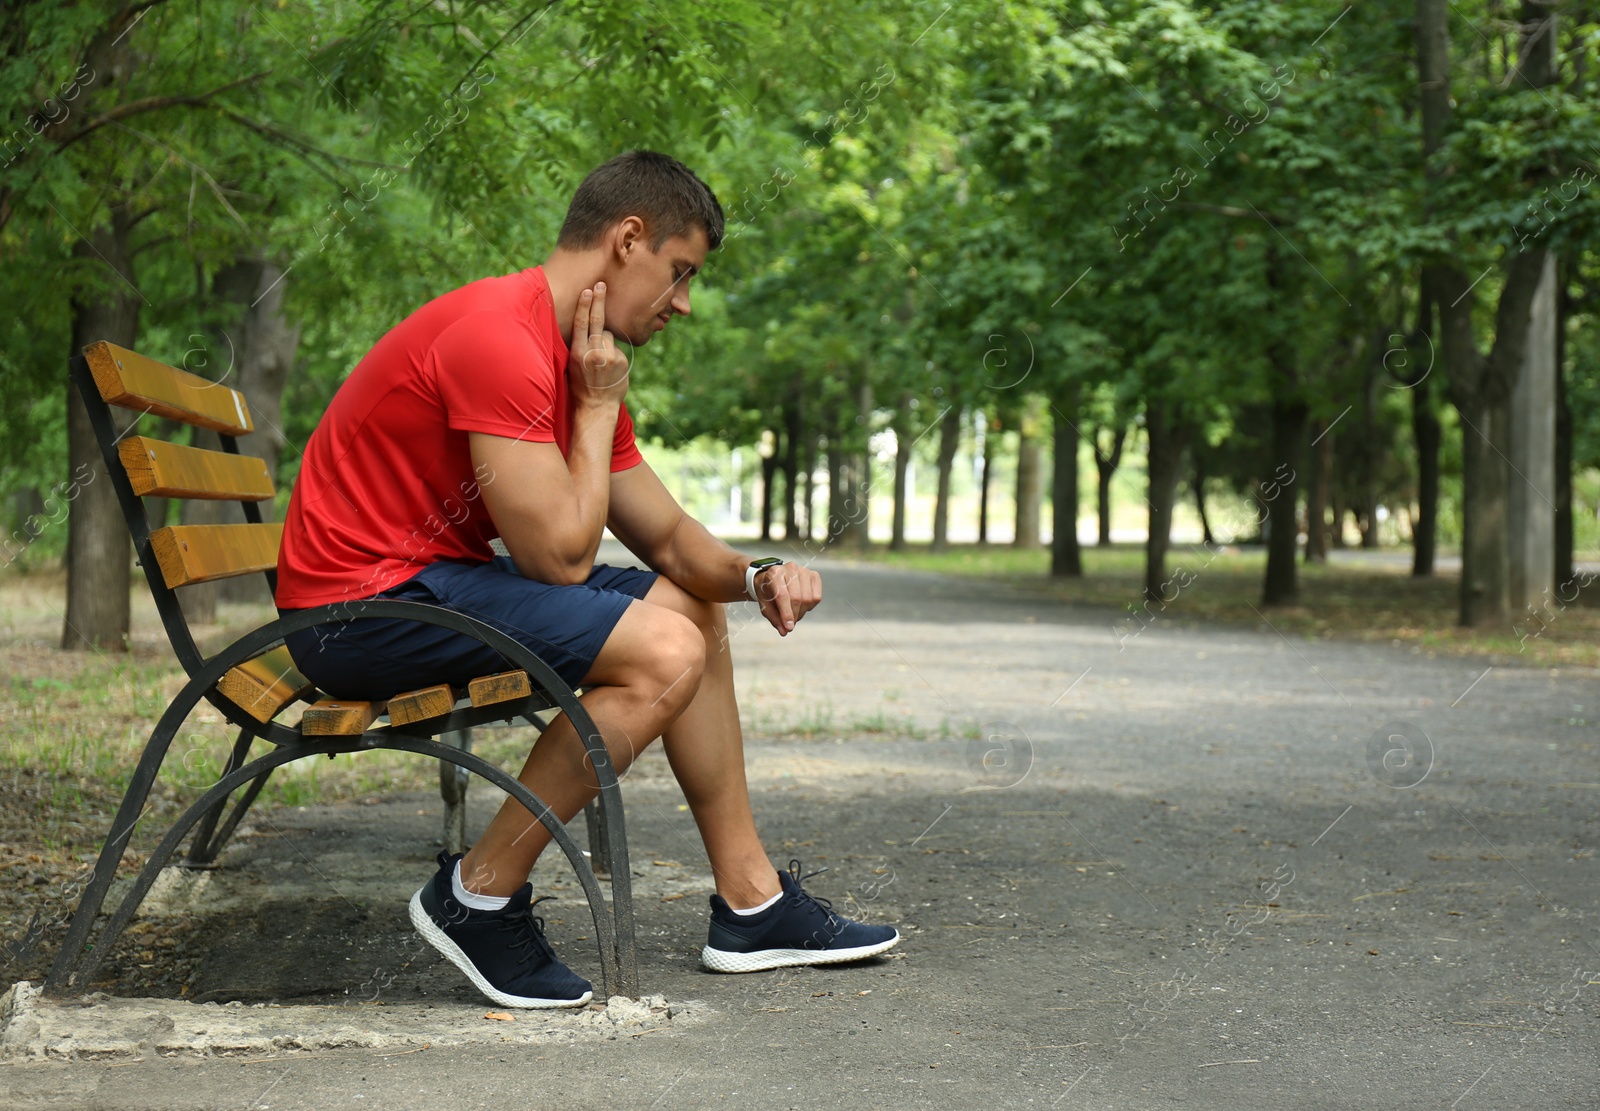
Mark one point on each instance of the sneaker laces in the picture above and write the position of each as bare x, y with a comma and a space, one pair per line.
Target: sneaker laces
817, 903
529, 928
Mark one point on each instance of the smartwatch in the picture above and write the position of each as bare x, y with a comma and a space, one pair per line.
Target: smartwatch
756, 567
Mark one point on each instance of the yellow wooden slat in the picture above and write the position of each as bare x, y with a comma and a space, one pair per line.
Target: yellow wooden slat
201, 553
133, 381
507, 686
420, 705
159, 469
266, 684
339, 718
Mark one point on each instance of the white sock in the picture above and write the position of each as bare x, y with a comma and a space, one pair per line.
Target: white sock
472, 900
759, 909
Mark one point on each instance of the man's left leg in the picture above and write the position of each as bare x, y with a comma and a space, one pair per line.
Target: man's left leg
752, 929
705, 747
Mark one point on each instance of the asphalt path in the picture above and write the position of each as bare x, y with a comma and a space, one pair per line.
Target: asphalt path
1136, 864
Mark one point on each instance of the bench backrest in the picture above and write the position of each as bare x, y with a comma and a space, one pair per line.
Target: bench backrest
142, 467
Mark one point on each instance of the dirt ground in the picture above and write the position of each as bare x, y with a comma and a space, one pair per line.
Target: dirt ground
1196, 866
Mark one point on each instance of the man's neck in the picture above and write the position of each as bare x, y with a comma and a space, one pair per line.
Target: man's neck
568, 274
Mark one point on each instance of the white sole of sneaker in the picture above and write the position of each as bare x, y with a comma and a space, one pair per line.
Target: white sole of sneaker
721, 960
440, 940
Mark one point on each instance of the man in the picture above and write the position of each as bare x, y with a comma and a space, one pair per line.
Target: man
496, 410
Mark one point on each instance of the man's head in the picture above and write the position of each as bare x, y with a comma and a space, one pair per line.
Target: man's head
650, 222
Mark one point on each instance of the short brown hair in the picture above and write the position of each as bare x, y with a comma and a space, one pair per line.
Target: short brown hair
657, 188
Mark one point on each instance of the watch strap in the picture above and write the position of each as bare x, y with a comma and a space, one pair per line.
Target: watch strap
750, 574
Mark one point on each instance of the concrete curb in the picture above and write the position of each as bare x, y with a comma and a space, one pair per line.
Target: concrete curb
100, 1028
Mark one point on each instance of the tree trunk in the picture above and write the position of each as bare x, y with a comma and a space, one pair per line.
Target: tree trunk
27, 521
1336, 502
1425, 429
1168, 438
1564, 569
1066, 558
902, 459
1317, 498
99, 572
1481, 386
26, 502
1371, 448
1105, 464
793, 432
860, 531
1485, 570
836, 496
1206, 536
769, 479
989, 433
1030, 481
949, 441
1281, 490
264, 352
1281, 493
808, 485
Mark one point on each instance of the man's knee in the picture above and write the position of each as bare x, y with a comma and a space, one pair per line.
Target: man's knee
655, 648
680, 652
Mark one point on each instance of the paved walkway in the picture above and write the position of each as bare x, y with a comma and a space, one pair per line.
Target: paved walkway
1134, 867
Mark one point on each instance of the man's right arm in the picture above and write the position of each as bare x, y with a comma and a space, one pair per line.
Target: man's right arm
551, 510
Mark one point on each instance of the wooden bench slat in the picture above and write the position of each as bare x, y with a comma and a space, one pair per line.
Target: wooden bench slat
134, 381
507, 686
420, 705
339, 718
202, 553
159, 469
265, 685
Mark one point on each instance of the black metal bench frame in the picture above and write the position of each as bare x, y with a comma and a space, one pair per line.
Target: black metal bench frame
83, 951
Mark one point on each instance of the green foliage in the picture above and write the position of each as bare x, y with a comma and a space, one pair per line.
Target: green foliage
983, 205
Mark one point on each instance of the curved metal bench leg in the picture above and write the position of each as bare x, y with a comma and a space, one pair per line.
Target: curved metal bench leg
91, 960
207, 843
65, 970
613, 832
453, 790
226, 833
599, 847
607, 829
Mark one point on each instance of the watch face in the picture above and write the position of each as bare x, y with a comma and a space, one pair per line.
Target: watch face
766, 561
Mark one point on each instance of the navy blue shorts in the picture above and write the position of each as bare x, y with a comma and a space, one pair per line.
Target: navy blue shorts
379, 657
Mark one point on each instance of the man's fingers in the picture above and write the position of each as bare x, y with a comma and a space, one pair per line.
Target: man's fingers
807, 592
780, 599
597, 316
580, 319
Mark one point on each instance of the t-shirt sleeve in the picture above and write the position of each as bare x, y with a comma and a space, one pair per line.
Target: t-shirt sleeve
624, 451
495, 374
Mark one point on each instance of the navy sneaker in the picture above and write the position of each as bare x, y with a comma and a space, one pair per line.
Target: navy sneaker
503, 952
798, 929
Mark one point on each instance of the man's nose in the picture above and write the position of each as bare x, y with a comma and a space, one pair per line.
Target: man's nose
680, 302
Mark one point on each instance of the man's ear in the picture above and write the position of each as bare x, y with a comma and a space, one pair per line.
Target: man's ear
628, 238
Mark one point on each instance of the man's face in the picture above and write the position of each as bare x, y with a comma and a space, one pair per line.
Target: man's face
650, 287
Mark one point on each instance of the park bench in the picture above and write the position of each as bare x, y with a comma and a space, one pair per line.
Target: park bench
254, 685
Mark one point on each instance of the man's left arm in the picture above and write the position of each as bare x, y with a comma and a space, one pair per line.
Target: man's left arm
651, 523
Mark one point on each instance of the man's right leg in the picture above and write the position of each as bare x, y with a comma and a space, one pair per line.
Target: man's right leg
645, 675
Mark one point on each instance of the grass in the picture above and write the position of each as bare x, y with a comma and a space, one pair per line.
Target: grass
1350, 598
821, 721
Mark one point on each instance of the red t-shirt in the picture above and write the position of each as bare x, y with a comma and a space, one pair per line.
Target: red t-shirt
386, 485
